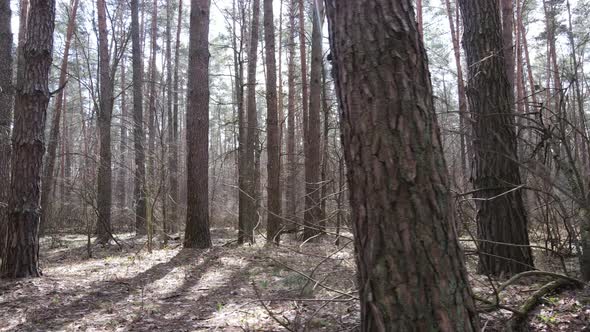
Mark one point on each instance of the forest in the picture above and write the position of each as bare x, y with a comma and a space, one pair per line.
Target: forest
294, 165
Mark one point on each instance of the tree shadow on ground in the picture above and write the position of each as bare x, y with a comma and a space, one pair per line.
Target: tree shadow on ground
104, 294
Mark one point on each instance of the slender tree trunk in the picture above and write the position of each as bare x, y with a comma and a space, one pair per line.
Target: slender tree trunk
520, 102
501, 216
6, 103
104, 178
313, 155
272, 128
122, 178
410, 268
239, 100
169, 202
138, 134
419, 19
197, 118
325, 184
463, 115
21, 254
508, 40
173, 169
249, 196
578, 91
304, 94
48, 180
152, 132
291, 187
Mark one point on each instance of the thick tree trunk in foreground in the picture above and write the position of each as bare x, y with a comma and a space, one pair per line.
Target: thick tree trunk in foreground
6, 98
501, 216
138, 134
197, 138
48, 180
272, 128
313, 210
21, 256
248, 211
104, 192
411, 273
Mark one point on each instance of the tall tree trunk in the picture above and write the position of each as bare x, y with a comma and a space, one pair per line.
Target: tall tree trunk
122, 178
104, 191
197, 139
169, 202
463, 115
272, 128
313, 155
21, 254
48, 180
508, 41
291, 188
239, 101
6, 99
501, 216
138, 134
152, 132
248, 208
410, 268
419, 19
304, 93
173, 168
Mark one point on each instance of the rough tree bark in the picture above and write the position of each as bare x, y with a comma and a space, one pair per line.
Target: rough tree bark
272, 128
248, 198
104, 191
501, 216
48, 170
313, 210
21, 255
197, 139
138, 134
411, 273
508, 40
6, 99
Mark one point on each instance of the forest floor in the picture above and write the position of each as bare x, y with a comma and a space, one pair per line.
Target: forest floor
227, 288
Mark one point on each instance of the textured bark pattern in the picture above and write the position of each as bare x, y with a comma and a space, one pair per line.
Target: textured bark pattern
6, 98
272, 129
312, 154
508, 40
28, 137
501, 216
248, 213
411, 273
104, 191
197, 136
48, 170
138, 134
